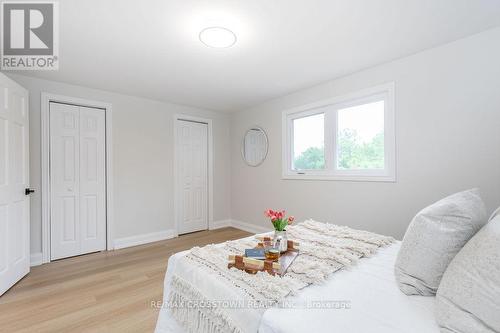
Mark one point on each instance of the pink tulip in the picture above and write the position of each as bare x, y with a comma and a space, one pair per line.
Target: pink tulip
269, 213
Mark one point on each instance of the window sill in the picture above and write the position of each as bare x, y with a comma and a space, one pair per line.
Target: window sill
349, 178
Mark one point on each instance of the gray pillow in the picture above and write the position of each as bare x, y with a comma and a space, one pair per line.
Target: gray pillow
434, 237
468, 299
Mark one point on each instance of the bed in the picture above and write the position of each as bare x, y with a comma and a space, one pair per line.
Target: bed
369, 299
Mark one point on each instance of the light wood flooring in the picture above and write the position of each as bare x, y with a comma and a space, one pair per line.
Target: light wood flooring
100, 292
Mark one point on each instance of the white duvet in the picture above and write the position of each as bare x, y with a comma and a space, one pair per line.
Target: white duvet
363, 298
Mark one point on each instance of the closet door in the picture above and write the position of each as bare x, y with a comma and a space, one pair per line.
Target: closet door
192, 166
64, 180
92, 180
77, 177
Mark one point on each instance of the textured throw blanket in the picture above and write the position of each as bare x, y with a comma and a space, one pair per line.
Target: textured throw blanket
206, 296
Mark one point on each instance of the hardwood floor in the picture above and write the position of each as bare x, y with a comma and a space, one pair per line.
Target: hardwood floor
100, 292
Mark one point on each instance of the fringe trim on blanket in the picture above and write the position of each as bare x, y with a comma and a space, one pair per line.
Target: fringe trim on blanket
196, 318
324, 249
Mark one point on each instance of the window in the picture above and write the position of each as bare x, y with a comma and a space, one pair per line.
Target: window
360, 137
346, 138
309, 142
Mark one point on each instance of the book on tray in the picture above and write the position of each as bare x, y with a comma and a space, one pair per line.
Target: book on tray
255, 254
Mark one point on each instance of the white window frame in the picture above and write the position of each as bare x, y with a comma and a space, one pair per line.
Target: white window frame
330, 108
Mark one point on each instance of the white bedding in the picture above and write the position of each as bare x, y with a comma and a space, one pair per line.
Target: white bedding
375, 304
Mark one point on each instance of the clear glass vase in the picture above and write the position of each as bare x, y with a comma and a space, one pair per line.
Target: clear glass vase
281, 240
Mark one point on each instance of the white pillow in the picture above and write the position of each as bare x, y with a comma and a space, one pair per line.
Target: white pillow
434, 237
468, 299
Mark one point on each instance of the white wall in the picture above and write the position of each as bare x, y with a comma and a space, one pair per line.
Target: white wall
142, 157
447, 116
448, 139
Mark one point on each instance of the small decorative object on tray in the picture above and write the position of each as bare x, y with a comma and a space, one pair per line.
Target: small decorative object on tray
252, 265
280, 222
271, 250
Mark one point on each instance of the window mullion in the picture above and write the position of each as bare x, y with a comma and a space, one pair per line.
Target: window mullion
335, 119
330, 125
290, 146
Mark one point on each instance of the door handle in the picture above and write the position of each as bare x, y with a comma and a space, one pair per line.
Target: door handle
28, 191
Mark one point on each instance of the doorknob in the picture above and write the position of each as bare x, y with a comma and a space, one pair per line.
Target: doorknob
28, 191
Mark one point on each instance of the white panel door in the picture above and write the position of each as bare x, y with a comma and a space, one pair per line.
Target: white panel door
92, 179
192, 166
64, 184
14, 180
77, 180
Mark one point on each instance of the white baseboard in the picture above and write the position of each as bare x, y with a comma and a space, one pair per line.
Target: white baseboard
248, 227
121, 243
36, 259
219, 224
245, 226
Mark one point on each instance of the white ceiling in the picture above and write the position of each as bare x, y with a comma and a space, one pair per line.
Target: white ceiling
151, 48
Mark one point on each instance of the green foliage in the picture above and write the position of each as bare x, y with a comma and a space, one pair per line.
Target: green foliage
353, 153
312, 158
280, 225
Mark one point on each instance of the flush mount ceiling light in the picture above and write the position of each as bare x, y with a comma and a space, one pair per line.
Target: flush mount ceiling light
217, 37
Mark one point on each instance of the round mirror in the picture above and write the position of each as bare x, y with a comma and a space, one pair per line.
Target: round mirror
254, 146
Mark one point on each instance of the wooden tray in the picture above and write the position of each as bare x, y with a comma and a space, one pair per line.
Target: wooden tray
252, 266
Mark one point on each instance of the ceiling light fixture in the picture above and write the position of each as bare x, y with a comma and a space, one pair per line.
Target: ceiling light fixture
217, 37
